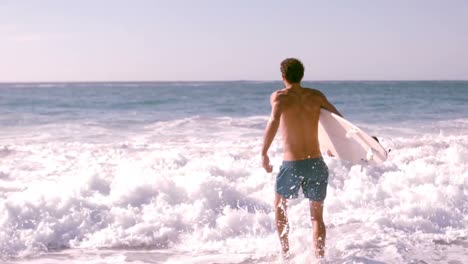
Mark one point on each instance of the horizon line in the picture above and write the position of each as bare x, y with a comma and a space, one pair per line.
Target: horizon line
240, 80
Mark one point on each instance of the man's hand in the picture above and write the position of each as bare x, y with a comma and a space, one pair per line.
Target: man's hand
266, 163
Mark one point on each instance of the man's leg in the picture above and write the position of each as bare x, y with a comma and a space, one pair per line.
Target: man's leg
282, 225
319, 232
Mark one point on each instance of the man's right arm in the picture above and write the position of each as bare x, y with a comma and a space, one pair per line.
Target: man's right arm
271, 129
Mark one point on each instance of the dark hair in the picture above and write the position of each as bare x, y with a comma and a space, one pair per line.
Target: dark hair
292, 70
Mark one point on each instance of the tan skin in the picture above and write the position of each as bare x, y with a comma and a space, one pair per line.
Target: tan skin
295, 112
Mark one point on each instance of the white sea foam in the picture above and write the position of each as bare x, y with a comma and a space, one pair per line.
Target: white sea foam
192, 191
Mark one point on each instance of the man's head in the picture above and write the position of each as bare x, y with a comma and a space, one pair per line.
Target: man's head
292, 70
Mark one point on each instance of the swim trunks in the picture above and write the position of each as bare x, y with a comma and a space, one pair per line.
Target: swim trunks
310, 174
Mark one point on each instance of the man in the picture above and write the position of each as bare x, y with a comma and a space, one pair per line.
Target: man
295, 111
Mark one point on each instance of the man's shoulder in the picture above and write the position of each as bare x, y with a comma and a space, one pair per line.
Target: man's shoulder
281, 93
279, 97
313, 91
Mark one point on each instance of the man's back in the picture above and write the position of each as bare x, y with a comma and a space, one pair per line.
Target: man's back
300, 110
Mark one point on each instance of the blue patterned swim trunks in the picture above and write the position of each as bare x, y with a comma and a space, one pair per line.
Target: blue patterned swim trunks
310, 174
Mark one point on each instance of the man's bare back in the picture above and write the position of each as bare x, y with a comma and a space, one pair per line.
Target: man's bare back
300, 109
297, 110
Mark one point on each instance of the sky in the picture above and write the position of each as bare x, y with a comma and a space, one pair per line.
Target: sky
152, 40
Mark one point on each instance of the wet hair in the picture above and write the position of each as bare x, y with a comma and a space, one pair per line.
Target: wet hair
292, 70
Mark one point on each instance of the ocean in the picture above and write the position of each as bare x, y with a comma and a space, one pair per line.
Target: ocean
169, 172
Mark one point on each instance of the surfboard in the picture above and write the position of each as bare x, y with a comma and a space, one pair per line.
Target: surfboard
341, 139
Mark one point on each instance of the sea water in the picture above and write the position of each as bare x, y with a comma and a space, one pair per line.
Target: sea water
169, 172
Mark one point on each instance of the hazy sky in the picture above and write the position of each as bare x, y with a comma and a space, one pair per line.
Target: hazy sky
98, 40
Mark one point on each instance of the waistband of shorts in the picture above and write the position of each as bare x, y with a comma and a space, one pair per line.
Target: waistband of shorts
295, 163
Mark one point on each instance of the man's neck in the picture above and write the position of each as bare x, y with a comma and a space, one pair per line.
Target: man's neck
293, 86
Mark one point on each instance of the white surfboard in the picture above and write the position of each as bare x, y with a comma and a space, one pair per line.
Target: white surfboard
345, 141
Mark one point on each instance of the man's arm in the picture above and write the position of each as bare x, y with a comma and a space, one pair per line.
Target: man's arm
328, 106
271, 129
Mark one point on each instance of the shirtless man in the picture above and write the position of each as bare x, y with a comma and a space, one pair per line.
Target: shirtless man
295, 111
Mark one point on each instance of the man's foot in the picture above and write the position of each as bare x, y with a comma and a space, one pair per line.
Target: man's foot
284, 258
320, 253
